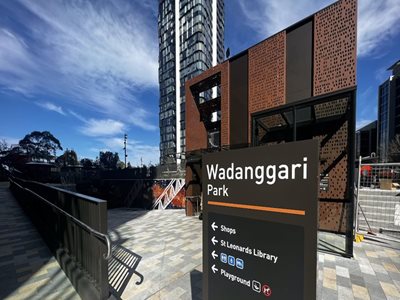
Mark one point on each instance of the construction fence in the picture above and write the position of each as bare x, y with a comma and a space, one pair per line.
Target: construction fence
378, 199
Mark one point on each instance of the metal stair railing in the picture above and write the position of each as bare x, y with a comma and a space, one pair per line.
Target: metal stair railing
74, 228
169, 193
158, 202
101, 236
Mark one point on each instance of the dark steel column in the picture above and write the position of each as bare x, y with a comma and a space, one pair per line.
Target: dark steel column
351, 166
294, 124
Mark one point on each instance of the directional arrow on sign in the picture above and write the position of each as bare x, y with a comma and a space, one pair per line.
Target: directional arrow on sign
213, 226
214, 255
214, 240
214, 269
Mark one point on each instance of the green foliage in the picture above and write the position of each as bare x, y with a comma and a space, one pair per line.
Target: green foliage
87, 163
40, 144
108, 160
3, 145
121, 165
68, 158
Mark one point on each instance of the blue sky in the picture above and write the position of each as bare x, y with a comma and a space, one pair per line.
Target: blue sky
87, 70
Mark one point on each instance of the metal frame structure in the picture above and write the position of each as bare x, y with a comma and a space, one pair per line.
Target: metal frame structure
312, 62
349, 115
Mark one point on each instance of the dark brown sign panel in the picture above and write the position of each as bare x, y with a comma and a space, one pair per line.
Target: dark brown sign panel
260, 222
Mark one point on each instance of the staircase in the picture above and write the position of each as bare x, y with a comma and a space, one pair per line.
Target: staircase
169, 193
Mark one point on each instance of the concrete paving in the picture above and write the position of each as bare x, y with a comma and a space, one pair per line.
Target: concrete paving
168, 246
158, 255
170, 250
28, 269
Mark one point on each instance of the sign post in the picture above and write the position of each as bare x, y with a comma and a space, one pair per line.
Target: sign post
260, 222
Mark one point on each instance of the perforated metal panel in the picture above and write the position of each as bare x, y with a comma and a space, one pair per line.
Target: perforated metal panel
328, 121
334, 164
267, 74
335, 31
333, 216
331, 108
273, 121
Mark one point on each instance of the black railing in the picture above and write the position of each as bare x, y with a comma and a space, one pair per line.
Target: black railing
74, 226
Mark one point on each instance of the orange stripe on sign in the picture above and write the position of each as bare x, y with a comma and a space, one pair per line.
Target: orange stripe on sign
260, 208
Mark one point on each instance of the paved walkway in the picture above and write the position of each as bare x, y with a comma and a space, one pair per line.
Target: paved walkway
170, 250
167, 247
27, 268
158, 255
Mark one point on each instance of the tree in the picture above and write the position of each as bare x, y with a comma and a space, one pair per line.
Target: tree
108, 160
120, 165
68, 158
394, 149
3, 146
40, 144
87, 163
13, 156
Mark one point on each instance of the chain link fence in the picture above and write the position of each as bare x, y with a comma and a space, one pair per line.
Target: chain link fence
378, 199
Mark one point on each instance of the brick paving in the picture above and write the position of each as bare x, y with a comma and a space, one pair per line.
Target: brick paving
169, 244
170, 247
28, 269
158, 255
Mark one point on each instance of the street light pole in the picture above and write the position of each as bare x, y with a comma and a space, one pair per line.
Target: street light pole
125, 138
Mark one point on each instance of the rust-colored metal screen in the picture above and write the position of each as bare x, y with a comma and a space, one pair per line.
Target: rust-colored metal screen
334, 168
335, 33
333, 216
328, 122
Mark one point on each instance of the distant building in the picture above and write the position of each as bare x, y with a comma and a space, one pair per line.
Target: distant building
367, 140
191, 40
389, 111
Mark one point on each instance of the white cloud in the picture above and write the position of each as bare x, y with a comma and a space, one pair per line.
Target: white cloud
368, 95
137, 151
107, 127
378, 21
382, 73
76, 115
52, 107
98, 55
270, 17
139, 117
13, 49
361, 123
17, 64
9, 140
149, 155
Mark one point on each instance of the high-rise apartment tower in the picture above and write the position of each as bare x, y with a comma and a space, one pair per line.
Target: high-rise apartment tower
191, 40
389, 111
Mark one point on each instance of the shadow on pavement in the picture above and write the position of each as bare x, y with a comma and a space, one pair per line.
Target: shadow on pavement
28, 268
122, 266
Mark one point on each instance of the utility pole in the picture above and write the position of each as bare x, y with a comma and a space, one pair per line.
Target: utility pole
125, 138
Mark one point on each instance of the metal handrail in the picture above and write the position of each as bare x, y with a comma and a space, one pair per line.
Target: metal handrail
80, 223
380, 164
165, 191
